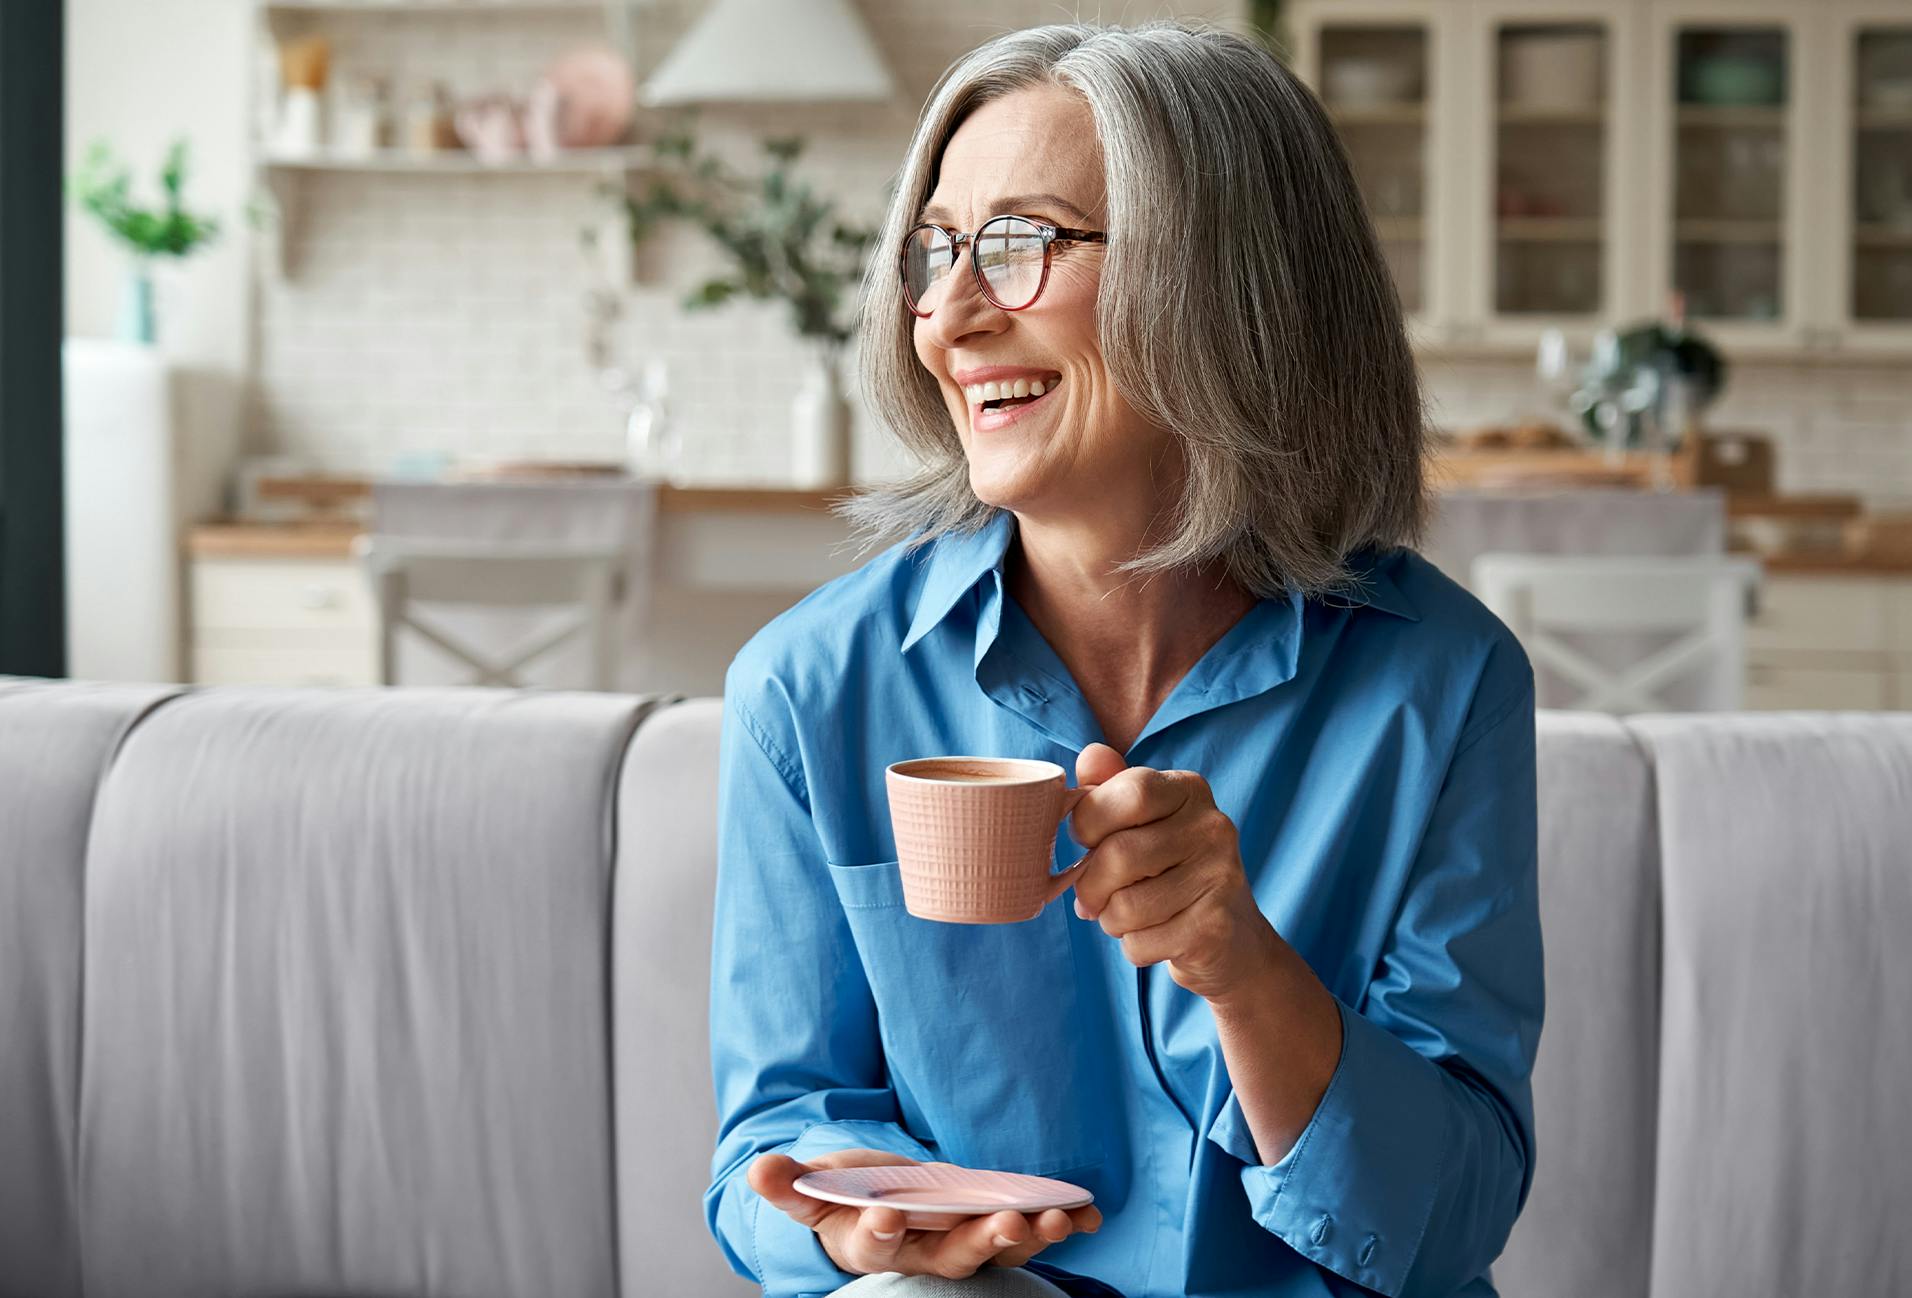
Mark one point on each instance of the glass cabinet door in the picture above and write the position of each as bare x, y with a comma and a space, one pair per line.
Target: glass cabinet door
1549, 146
1373, 78
1731, 91
1881, 231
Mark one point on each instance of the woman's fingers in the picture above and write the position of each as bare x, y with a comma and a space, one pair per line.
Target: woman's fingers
876, 1238
1040, 1235
973, 1244
1086, 1218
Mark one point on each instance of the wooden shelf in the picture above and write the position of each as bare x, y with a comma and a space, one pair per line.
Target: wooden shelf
459, 8
333, 540
1379, 115
457, 162
1880, 235
1515, 115
1733, 117
1878, 119
1548, 229
1722, 230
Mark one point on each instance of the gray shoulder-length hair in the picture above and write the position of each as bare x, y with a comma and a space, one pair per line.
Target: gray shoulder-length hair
1244, 306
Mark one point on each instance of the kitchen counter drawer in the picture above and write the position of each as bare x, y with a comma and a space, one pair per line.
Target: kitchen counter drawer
282, 594
1823, 614
1787, 688
237, 663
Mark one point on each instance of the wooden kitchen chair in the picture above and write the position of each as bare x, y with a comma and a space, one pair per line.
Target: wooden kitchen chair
585, 581
1558, 604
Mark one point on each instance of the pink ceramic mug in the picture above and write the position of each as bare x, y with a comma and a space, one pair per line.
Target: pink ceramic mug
975, 836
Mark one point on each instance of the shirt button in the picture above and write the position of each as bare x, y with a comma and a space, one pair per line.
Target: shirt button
1367, 1250
1322, 1226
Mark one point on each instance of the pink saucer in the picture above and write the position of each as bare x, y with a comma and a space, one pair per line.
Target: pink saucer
941, 1196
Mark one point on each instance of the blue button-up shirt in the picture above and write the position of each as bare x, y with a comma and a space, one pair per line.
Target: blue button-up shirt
1376, 756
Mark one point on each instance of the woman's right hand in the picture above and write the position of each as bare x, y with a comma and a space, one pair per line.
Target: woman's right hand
853, 1236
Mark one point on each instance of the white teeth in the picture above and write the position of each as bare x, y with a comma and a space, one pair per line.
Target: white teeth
977, 393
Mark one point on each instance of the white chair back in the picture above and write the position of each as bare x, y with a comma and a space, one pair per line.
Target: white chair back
1556, 603
585, 582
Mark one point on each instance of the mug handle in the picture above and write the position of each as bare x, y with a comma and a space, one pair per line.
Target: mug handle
1061, 883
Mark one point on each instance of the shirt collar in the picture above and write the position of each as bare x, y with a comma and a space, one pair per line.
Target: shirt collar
1374, 585
958, 561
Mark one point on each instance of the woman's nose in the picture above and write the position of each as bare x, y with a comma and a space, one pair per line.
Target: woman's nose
962, 311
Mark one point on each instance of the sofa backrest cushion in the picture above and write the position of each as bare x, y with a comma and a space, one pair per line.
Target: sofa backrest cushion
346, 997
1586, 1227
55, 740
1785, 1129
660, 1024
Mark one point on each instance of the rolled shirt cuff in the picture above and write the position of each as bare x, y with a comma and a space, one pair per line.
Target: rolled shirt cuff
1355, 1193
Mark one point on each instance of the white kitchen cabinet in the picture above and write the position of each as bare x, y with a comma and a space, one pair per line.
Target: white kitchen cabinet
1755, 155
1772, 688
1866, 295
1554, 132
1730, 89
1386, 72
1822, 641
1820, 615
282, 621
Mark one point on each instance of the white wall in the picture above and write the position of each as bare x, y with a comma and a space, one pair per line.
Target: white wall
140, 73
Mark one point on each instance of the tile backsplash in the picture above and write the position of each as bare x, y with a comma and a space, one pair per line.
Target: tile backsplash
447, 313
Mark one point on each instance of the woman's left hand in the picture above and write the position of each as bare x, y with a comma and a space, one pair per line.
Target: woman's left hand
1164, 874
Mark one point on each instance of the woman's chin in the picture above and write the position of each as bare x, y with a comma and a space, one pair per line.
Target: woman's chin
1004, 487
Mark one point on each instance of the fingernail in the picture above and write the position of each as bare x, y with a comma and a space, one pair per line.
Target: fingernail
1080, 913
1003, 1241
886, 1237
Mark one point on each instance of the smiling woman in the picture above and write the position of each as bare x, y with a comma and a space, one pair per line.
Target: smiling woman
1130, 314
1238, 328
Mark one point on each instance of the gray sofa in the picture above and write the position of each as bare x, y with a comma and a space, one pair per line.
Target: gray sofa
403, 992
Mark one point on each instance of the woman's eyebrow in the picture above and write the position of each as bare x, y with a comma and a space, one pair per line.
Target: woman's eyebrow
1011, 203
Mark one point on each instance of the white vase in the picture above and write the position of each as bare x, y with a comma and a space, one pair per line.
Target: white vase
820, 426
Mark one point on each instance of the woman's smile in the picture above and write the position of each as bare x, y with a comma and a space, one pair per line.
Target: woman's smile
993, 406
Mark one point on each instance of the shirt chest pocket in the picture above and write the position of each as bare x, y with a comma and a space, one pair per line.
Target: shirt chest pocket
980, 1026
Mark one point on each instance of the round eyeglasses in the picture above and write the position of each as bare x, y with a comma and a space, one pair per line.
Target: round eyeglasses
1009, 255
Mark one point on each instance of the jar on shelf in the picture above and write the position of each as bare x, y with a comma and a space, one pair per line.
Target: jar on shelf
428, 120
363, 124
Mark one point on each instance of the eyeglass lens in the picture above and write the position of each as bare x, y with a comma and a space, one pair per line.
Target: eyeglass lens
1008, 251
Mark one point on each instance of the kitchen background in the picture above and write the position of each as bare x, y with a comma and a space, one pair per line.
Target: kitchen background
1540, 172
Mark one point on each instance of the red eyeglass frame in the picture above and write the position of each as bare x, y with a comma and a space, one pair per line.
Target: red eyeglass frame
1052, 235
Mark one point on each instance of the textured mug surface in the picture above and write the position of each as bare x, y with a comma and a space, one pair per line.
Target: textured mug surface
975, 836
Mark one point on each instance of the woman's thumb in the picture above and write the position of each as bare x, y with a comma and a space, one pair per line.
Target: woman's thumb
1097, 764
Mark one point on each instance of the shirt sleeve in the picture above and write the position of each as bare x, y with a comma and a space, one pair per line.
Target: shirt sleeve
795, 1057
1409, 1176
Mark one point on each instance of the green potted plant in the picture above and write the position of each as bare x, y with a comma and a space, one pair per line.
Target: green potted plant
784, 243
103, 187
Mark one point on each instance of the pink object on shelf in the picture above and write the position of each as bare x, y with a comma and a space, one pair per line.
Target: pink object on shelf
975, 836
596, 97
941, 1196
491, 127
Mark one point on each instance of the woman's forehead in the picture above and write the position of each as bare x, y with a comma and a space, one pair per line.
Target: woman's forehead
1028, 142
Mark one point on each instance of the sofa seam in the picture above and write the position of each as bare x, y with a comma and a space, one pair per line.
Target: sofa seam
644, 710
132, 723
